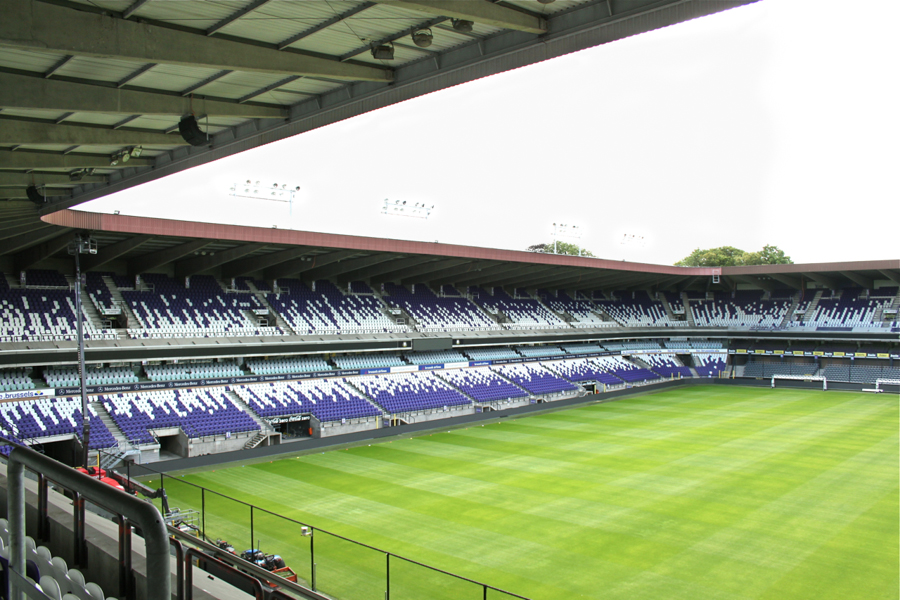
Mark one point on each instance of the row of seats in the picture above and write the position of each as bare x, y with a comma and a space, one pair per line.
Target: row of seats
68, 376
50, 574
194, 370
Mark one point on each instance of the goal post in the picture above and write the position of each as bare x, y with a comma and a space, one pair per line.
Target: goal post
880, 382
802, 378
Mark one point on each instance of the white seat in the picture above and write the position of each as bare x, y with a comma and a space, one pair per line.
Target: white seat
60, 569
94, 590
50, 587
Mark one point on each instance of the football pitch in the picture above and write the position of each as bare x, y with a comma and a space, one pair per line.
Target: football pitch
703, 492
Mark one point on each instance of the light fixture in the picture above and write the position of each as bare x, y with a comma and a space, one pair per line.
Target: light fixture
461, 25
422, 38
113, 160
78, 174
126, 156
137, 151
383, 52
546, 1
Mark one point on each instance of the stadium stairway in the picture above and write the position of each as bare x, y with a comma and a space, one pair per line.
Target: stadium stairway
665, 303
279, 320
264, 428
813, 304
450, 383
688, 313
694, 372
789, 314
130, 319
126, 448
89, 310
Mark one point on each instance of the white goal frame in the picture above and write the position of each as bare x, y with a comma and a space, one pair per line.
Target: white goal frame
877, 389
802, 378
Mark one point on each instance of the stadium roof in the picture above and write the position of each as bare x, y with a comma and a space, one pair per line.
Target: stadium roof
142, 244
84, 81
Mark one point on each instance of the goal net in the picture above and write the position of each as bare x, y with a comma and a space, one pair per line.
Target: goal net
802, 378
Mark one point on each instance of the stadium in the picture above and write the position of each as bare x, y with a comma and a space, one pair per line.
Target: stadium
300, 414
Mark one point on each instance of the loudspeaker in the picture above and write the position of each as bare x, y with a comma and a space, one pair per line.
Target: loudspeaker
34, 195
190, 131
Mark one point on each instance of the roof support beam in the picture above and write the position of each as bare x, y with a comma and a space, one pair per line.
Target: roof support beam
197, 264
895, 277
107, 254
235, 16
788, 280
396, 265
148, 262
858, 279
26, 240
11, 232
29, 132
486, 273
39, 179
134, 6
255, 264
761, 283
20, 191
325, 24
47, 160
479, 11
299, 265
28, 258
345, 266
44, 26
825, 280
440, 272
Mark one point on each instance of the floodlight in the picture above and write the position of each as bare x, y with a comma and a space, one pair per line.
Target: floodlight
125, 156
422, 38
113, 160
383, 52
546, 1
461, 25
137, 151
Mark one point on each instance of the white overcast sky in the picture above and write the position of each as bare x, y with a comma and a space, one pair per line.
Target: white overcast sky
774, 123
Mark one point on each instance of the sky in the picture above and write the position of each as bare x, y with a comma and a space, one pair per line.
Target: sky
774, 123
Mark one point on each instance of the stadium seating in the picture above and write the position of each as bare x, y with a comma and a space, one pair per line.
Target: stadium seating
521, 312
47, 417
709, 365
99, 292
368, 361
666, 365
744, 308
438, 313
847, 310
198, 412
325, 399
534, 378
68, 376
637, 309
203, 310
435, 358
192, 370
539, 351
294, 364
328, 311
635, 345
43, 278
582, 348
14, 380
581, 370
45, 314
497, 353
582, 311
786, 367
482, 384
621, 368
409, 392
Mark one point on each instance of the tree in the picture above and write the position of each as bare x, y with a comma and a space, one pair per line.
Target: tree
729, 256
560, 248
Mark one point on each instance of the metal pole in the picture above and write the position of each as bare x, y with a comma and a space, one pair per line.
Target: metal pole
387, 593
15, 506
85, 417
312, 559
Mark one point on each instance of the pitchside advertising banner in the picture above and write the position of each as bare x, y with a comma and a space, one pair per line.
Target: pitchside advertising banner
26, 394
819, 353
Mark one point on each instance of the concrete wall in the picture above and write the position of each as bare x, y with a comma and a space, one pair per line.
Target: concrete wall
332, 428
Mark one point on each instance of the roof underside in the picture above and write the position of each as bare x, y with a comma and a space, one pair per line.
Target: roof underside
137, 245
82, 81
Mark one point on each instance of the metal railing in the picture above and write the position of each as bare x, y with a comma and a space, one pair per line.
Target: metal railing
127, 509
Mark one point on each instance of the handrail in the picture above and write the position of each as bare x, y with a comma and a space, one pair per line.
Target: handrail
144, 514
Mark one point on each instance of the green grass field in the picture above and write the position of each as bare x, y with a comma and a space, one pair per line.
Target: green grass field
704, 492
